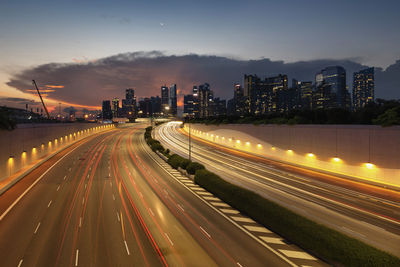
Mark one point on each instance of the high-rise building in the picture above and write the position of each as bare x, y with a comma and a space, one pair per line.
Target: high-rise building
196, 106
238, 100
115, 107
304, 94
165, 100
363, 88
188, 106
205, 97
106, 110
219, 108
129, 105
335, 78
173, 101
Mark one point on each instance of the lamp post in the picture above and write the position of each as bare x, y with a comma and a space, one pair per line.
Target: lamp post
190, 141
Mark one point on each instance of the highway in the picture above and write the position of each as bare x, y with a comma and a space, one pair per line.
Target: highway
368, 213
108, 200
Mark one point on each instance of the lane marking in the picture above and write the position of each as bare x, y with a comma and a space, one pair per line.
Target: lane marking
152, 213
272, 240
85, 186
48, 205
257, 229
113, 196
65, 177
83, 200
118, 217
80, 222
69, 169
212, 198
297, 254
204, 193
209, 236
239, 264
127, 249
76, 257
242, 219
20, 263
229, 211
58, 188
220, 204
180, 206
37, 228
169, 239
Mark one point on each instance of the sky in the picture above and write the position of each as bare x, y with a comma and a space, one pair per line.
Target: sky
81, 34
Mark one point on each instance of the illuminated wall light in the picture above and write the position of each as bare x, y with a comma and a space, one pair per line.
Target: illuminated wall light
259, 145
289, 151
247, 143
33, 150
273, 148
230, 139
223, 138
336, 159
238, 141
310, 155
369, 165
212, 135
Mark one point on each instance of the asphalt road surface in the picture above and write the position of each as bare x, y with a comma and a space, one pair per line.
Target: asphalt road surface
108, 200
368, 213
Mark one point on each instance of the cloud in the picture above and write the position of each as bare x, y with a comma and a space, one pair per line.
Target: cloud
88, 83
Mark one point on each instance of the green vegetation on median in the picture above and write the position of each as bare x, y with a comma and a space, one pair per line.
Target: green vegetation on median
328, 244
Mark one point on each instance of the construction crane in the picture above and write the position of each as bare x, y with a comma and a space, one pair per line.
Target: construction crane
41, 99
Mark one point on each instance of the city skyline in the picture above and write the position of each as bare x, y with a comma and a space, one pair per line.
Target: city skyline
234, 34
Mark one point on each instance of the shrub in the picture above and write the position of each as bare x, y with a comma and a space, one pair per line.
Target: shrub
185, 163
175, 161
193, 167
328, 244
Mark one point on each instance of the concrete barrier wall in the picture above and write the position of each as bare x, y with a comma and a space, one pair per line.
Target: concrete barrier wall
26, 144
367, 152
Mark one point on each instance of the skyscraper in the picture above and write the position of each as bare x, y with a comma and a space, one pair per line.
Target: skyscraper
115, 107
106, 110
363, 88
129, 105
334, 77
188, 106
173, 102
164, 100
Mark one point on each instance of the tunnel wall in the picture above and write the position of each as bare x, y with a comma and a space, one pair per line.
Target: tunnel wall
28, 143
367, 152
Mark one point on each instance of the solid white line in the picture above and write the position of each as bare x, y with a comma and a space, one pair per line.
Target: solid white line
48, 205
126, 246
169, 239
20, 263
58, 188
118, 217
76, 257
209, 236
37, 227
